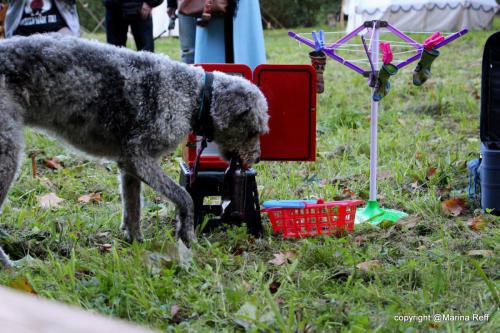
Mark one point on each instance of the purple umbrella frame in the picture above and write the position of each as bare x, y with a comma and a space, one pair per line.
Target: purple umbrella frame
373, 55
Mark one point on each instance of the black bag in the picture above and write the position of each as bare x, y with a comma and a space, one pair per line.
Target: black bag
490, 93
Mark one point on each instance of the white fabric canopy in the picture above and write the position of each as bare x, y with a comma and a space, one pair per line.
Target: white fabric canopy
423, 15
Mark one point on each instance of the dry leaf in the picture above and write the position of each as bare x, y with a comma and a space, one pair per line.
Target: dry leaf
91, 197
174, 310
360, 240
443, 192
46, 182
384, 175
274, 286
105, 247
408, 221
480, 253
477, 223
431, 172
453, 207
282, 258
347, 193
368, 265
419, 156
49, 201
53, 163
21, 283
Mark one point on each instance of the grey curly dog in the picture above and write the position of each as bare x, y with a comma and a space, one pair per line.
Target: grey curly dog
129, 107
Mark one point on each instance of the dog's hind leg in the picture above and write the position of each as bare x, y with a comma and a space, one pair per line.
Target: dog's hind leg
11, 144
146, 169
131, 198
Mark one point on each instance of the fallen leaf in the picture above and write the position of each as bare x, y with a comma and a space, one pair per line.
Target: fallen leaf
443, 192
170, 255
480, 253
274, 286
91, 197
282, 258
50, 200
102, 234
347, 193
156, 261
431, 172
47, 183
408, 222
360, 240
105, 247
238, 251
53, 163
453, 207
419, 156
433, 325
384, 175
246, 315
477, 223
184, 254
176, 313
386, 224
368, 265
174, 310
21, 283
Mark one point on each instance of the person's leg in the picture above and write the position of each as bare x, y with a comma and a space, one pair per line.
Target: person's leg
187, 37
116, 27
143, 34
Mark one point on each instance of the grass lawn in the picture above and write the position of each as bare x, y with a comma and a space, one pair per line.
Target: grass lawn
421, 267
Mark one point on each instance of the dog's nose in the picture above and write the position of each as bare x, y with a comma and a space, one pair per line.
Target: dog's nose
257, 160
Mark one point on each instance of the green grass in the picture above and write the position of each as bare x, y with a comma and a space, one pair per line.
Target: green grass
231, 285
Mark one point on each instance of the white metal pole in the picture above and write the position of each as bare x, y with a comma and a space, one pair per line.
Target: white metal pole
374, 119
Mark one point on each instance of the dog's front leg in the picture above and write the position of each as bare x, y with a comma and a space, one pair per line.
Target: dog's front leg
147, 170
131, 198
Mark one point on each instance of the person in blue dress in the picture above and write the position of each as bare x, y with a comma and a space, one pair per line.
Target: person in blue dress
247, 37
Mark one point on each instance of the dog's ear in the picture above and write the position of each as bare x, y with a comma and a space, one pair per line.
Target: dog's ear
236, 100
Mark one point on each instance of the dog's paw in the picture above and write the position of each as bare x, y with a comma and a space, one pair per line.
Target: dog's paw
185, 232
133, 236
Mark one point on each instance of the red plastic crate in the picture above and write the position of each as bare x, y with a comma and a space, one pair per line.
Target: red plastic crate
322, 218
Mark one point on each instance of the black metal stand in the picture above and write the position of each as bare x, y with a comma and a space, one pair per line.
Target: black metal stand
210, 184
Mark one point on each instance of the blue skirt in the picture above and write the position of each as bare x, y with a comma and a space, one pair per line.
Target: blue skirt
248, 37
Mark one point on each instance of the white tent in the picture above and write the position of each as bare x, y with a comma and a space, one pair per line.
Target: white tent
422, 15
160, 22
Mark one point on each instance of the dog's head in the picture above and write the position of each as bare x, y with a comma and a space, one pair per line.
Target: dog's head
239, 113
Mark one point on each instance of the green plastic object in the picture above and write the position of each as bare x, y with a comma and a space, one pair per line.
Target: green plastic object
374, 214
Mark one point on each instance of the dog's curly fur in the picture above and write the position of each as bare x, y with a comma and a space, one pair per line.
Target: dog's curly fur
130, 107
